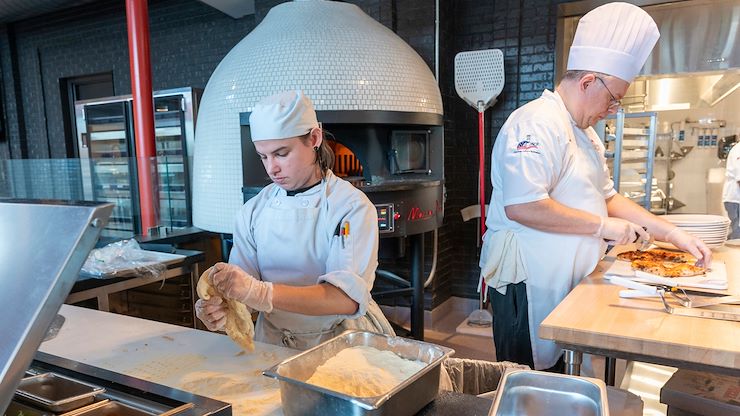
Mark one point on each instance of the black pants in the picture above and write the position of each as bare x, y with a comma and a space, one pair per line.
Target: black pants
511, 326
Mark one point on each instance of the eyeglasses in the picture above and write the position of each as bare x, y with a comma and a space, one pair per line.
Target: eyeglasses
613, 103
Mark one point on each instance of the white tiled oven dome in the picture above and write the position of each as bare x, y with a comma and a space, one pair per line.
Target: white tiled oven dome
341, 57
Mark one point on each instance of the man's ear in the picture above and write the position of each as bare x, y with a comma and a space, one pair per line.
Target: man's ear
586, 81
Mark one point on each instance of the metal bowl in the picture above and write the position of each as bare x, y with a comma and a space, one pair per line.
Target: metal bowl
301, 398
528, 392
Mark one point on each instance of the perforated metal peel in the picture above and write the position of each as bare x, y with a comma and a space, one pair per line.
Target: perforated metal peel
479, 77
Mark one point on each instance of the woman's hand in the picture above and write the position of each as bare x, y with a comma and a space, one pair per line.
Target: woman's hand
212, 312
234, 283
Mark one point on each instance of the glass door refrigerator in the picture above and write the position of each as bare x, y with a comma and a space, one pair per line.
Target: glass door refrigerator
108, 157
109, 169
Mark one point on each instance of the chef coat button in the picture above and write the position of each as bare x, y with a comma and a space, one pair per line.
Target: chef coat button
305, 203
277, 202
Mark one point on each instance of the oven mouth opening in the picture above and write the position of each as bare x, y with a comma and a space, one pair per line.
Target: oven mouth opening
346, 165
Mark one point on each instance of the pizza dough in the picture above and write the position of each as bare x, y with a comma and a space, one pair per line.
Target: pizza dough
363, 371
239, 326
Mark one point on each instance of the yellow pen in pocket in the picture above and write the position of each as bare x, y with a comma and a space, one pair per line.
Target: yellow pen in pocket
344, 232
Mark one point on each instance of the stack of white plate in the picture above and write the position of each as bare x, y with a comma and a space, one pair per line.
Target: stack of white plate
712, 229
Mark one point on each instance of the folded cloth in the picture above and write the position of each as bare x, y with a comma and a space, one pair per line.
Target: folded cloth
500, 261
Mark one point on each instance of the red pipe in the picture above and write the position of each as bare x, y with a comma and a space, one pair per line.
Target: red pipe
482, 174
137, 19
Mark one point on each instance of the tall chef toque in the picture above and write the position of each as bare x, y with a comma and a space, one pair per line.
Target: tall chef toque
281, 116
613, 39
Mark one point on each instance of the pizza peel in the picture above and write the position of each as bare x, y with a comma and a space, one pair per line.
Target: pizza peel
479, 79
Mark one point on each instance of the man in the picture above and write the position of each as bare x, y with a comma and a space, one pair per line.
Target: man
553, 207
731, 191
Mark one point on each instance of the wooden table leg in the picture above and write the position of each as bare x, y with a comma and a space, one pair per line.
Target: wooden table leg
573, 360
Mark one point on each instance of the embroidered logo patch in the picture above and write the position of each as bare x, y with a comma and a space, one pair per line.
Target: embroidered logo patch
527, 146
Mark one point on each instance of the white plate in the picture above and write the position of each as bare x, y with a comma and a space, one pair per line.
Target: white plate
694, 219
702, 234
670, 246
705, 227
733, 243
706, 230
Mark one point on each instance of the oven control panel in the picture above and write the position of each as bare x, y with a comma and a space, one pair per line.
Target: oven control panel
386, 217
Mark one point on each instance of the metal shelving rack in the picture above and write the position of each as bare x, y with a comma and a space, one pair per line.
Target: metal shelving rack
632, 146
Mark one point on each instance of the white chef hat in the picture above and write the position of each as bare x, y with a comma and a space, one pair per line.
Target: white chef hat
283, 115
613, 39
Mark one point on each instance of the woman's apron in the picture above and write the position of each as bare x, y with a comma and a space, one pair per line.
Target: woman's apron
293, 239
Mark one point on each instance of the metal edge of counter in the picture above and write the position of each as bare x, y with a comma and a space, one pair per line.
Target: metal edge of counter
140, 388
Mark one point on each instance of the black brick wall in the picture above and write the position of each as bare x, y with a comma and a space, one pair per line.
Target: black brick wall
189, 38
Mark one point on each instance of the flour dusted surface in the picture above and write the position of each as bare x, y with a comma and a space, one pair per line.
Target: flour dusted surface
364, 371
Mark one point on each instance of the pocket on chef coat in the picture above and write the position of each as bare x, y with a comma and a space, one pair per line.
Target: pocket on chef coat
341, 253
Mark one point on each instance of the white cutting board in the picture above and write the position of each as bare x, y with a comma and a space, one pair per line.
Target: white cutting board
205, 363
716, 278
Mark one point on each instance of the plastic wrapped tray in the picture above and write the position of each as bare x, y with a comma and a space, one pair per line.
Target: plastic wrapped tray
301, 398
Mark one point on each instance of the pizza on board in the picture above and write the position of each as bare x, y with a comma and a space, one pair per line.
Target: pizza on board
665, 263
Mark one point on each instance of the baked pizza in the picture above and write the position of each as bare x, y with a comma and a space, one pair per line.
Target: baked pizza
668, 268
657, 255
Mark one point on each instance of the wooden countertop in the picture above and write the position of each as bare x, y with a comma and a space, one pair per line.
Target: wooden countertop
593, 318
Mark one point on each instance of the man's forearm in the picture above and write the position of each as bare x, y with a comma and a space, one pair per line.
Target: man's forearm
551, 216
621, 207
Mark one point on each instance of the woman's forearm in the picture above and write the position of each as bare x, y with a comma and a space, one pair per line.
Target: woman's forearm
321, 299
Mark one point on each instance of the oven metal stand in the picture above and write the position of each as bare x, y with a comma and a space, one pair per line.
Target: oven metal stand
572, 360
416, 260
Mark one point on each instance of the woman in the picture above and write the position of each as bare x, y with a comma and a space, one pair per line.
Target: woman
306, 247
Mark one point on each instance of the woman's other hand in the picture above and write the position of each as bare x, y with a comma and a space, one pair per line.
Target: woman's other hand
234, 283
212, 312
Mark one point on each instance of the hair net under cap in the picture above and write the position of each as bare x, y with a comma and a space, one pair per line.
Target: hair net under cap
281, 116
613, 39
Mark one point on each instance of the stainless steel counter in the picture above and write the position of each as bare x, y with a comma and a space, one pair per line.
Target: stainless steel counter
200, 362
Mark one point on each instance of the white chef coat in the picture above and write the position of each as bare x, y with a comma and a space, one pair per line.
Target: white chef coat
731, 189
293, 240
541, 153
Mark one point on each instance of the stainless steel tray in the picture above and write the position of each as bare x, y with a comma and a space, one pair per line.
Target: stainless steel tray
528, 392
301, 398
56, 393
16, 408
112, 408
